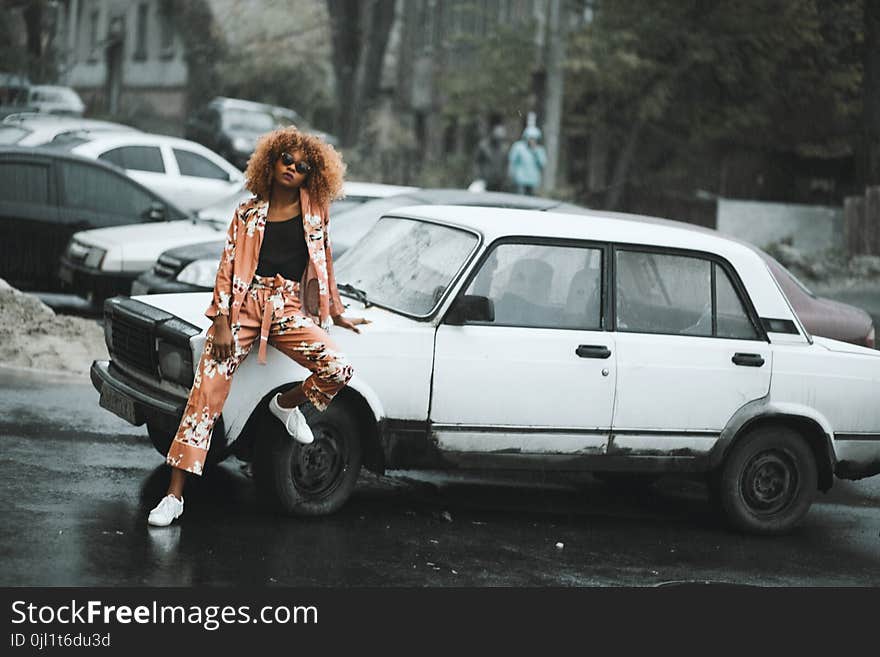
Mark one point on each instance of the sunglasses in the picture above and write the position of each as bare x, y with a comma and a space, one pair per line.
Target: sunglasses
301, 167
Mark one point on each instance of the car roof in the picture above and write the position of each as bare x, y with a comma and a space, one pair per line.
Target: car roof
41, 120
494, 223
102, 140
484, 199
374, 190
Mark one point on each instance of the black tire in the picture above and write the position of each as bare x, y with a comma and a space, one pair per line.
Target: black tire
308, 480
768, 481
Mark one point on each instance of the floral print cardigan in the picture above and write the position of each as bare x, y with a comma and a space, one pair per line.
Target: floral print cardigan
241, 254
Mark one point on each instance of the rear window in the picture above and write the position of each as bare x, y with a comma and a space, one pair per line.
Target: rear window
136, 158
193, 164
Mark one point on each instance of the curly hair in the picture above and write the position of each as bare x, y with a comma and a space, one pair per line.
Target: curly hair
324, 183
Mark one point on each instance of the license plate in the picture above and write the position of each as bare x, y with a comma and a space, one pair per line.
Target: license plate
119, 404
65, 273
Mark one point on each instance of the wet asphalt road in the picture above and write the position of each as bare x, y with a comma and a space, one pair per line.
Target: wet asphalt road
76, 484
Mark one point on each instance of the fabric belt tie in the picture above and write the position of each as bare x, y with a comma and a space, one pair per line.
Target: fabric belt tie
277, 285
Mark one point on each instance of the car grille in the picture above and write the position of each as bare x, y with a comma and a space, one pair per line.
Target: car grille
133, 345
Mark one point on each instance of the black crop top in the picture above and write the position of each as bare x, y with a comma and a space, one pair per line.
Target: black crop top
284, 249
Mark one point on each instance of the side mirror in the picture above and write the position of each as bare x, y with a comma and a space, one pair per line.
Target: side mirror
470, 308
156, 212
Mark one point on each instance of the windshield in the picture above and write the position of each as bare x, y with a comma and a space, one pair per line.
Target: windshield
247, 120
406, 265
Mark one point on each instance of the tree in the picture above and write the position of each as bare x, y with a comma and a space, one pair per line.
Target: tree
677, 88
870, 156
359, 30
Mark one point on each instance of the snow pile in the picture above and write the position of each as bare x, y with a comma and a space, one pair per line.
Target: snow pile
34, 336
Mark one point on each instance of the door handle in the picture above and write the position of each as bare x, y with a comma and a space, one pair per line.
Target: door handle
592, 351
748, 360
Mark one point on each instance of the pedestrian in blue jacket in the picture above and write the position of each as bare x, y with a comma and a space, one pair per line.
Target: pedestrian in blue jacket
526, 161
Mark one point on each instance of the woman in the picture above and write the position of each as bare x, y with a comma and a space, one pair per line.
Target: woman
275, 284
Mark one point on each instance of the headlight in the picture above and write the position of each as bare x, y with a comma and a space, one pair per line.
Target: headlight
200, 272
95, 257
175, 364
242, 145
76, 250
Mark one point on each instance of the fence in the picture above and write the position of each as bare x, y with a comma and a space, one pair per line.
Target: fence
861, 223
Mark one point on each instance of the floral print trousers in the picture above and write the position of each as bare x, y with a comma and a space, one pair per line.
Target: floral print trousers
270, 313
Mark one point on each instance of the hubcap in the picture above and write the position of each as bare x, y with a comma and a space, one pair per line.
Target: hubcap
769, 482
317, 468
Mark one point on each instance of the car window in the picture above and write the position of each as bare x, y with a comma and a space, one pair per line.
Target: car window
733, 320
137, 158
662, 293
247, 120
672, 294
193, 164
24, 183
92, 188
542, 286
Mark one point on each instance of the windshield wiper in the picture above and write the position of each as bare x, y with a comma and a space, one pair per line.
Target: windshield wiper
355, 292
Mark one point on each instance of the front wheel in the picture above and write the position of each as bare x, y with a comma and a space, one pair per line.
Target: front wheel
768, 481
314, 479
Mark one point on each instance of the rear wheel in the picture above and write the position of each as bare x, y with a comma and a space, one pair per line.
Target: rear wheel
314, 479
768, 481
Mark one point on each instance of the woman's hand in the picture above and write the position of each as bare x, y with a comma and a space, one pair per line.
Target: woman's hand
221, 342
350, 324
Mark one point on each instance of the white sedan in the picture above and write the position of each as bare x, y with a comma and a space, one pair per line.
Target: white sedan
530, 340
182, 171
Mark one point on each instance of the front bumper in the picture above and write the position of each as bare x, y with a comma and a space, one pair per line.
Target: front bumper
147, 403
151, 283
94, 283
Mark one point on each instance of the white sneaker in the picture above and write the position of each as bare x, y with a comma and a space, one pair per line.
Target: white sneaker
168, 509
293, 420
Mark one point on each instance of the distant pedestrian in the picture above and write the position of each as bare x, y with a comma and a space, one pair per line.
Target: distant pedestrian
491, 159
526, 161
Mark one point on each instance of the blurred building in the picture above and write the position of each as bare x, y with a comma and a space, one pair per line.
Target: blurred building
123, 57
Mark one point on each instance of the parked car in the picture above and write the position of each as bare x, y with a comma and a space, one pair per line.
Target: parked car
534, 340
231, 126
132, 250
194, 267
182, 171
55, 99
33, 129
47, 195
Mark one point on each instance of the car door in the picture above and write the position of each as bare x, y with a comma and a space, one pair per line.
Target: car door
204, 180
30, 240
689, 351
540, 377
98, 197
146, 164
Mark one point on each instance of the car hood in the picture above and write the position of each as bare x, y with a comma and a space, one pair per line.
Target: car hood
138, 246
191, 306
845, 347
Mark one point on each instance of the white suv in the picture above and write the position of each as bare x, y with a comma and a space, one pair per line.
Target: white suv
530, 340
